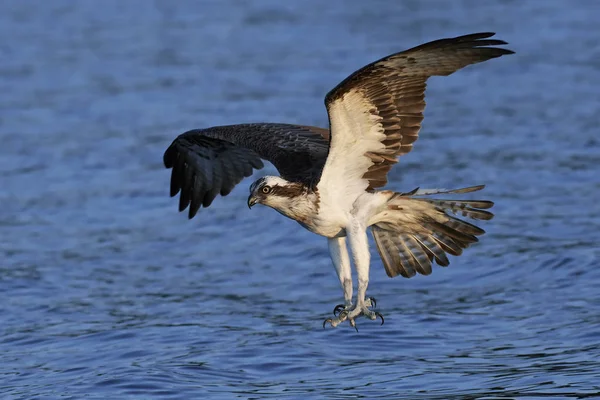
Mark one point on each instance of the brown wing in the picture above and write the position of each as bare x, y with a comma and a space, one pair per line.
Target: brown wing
208, 162
381, 105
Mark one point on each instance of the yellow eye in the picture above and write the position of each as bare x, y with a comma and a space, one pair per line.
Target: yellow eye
266, 189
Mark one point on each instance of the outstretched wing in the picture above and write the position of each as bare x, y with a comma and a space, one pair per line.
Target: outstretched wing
375, 114
208, 162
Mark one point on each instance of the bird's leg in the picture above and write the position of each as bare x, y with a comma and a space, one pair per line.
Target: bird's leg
359, 244
339, 256
362, 259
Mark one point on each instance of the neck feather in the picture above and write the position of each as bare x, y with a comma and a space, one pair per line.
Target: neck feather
296, 201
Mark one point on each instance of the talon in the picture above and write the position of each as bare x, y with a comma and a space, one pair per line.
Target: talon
353, 324
326, 321
339, 308
380, 316
373, 301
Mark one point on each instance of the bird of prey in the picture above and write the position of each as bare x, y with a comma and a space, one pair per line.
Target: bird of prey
330, 177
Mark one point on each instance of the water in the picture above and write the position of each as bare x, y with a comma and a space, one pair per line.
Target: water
108, 292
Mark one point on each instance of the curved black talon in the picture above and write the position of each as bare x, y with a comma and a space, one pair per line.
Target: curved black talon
373, 301
337, 309
380, 316
326, 321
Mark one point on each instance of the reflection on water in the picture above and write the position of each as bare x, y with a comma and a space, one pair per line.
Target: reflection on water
109, 292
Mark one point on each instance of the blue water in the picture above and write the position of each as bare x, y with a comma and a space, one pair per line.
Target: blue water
107, 292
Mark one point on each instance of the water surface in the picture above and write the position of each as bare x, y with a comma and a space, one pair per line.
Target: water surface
108, 292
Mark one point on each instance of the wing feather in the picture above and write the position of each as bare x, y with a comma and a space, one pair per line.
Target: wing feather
197, 196
375, 114
186, 184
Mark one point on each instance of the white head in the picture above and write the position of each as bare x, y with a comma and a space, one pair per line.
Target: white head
277, 193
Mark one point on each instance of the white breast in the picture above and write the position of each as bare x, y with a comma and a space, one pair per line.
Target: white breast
331, 221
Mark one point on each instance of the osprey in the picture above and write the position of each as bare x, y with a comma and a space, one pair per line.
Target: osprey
329, 178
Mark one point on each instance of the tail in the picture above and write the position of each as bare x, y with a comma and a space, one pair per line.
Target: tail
413, 232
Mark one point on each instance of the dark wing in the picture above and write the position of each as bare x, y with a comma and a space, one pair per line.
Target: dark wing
375, 114
208, 162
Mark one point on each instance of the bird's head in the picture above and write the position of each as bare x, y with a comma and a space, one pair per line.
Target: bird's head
274, 192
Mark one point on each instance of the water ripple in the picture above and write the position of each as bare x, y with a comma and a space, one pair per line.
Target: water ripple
108, 292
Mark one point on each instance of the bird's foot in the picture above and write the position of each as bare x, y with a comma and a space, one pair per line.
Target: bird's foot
346, 312
369, 302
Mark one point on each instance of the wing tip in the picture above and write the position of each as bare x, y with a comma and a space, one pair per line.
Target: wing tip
193, 211
170, 156
189, 150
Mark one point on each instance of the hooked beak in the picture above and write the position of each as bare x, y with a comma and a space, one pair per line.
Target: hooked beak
251, 201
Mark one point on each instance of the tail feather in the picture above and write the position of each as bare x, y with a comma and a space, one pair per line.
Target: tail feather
428, 192
414, 232
466, 208
464, 227
446, 229
423, 263
408, 261
449, 245
433, 248
390, 253
471, 209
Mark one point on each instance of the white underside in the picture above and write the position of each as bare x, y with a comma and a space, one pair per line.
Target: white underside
342, 227
345, 208
331, 221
